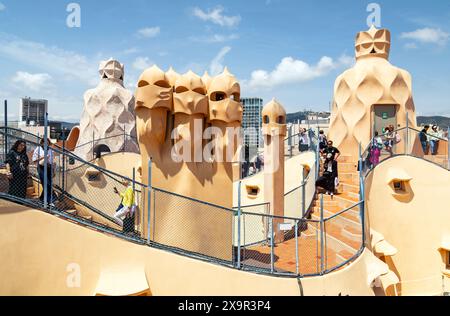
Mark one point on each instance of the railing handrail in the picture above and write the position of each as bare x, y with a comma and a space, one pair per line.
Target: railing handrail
343, 211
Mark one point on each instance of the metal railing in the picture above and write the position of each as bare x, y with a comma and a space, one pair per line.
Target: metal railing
406, 142
248, 238
292, 149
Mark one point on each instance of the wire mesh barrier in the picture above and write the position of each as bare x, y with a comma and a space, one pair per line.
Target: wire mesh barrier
406, 141
97, 194
111, 144
73, 186
343, 237
191, 225
280, 245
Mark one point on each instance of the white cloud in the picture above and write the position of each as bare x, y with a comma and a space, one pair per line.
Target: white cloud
215, 38
50, 59
149, 32
34, 82
411, 46
130, 51
2, 7
215, 16
428, 35
216, 66
142, 63
291, 70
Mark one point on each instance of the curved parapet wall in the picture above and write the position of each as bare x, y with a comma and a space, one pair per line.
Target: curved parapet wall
73, 260
413, 219
372, 81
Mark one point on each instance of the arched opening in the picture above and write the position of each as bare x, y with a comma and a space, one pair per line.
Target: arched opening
100, 149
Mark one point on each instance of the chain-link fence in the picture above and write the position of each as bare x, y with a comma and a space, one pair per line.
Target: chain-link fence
71, 185
343, 237
191, 225
94, 148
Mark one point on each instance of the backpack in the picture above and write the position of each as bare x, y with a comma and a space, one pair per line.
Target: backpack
398, 138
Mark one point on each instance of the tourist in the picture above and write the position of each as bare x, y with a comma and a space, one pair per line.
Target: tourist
375, 150
258, 163
330, 149
390, 138
304, 141
127, 203
330, 173
252, 169
435, 136
17, 166
39, 160
423, 137
323, 143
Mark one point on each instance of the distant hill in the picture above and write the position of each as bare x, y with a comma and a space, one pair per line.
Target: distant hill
441, 121
294, 117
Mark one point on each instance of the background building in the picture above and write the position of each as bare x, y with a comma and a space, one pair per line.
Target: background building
251, 123
32, 112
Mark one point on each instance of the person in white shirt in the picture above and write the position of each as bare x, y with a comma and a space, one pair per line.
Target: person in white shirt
39, 159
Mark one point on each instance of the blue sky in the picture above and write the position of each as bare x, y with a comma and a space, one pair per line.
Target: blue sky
289, 49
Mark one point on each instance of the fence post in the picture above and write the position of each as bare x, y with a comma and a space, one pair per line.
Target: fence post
361, 195
149, 191
124, 139
45, 160
407, 134
448, 147
272, 245
317, 162
303, 193
239, 226
5, 138
296, 249
93, 141
322, 238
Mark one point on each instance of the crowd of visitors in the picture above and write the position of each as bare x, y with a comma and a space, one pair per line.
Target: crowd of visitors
430, 139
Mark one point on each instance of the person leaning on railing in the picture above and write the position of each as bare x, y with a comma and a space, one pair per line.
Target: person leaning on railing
17, 166
423, 137
435, 135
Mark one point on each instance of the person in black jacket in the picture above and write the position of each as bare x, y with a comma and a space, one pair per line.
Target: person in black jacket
423, 137
17, 166
330, 172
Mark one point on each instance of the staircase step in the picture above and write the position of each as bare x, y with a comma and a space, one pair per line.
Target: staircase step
347, 167
348, 187
351, 177
344, 159
325, 203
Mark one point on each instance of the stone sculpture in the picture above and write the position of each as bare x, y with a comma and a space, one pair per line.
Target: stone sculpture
108, 119
371, 83
191, 135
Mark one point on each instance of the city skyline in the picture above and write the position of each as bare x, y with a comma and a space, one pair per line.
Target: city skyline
296, 61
